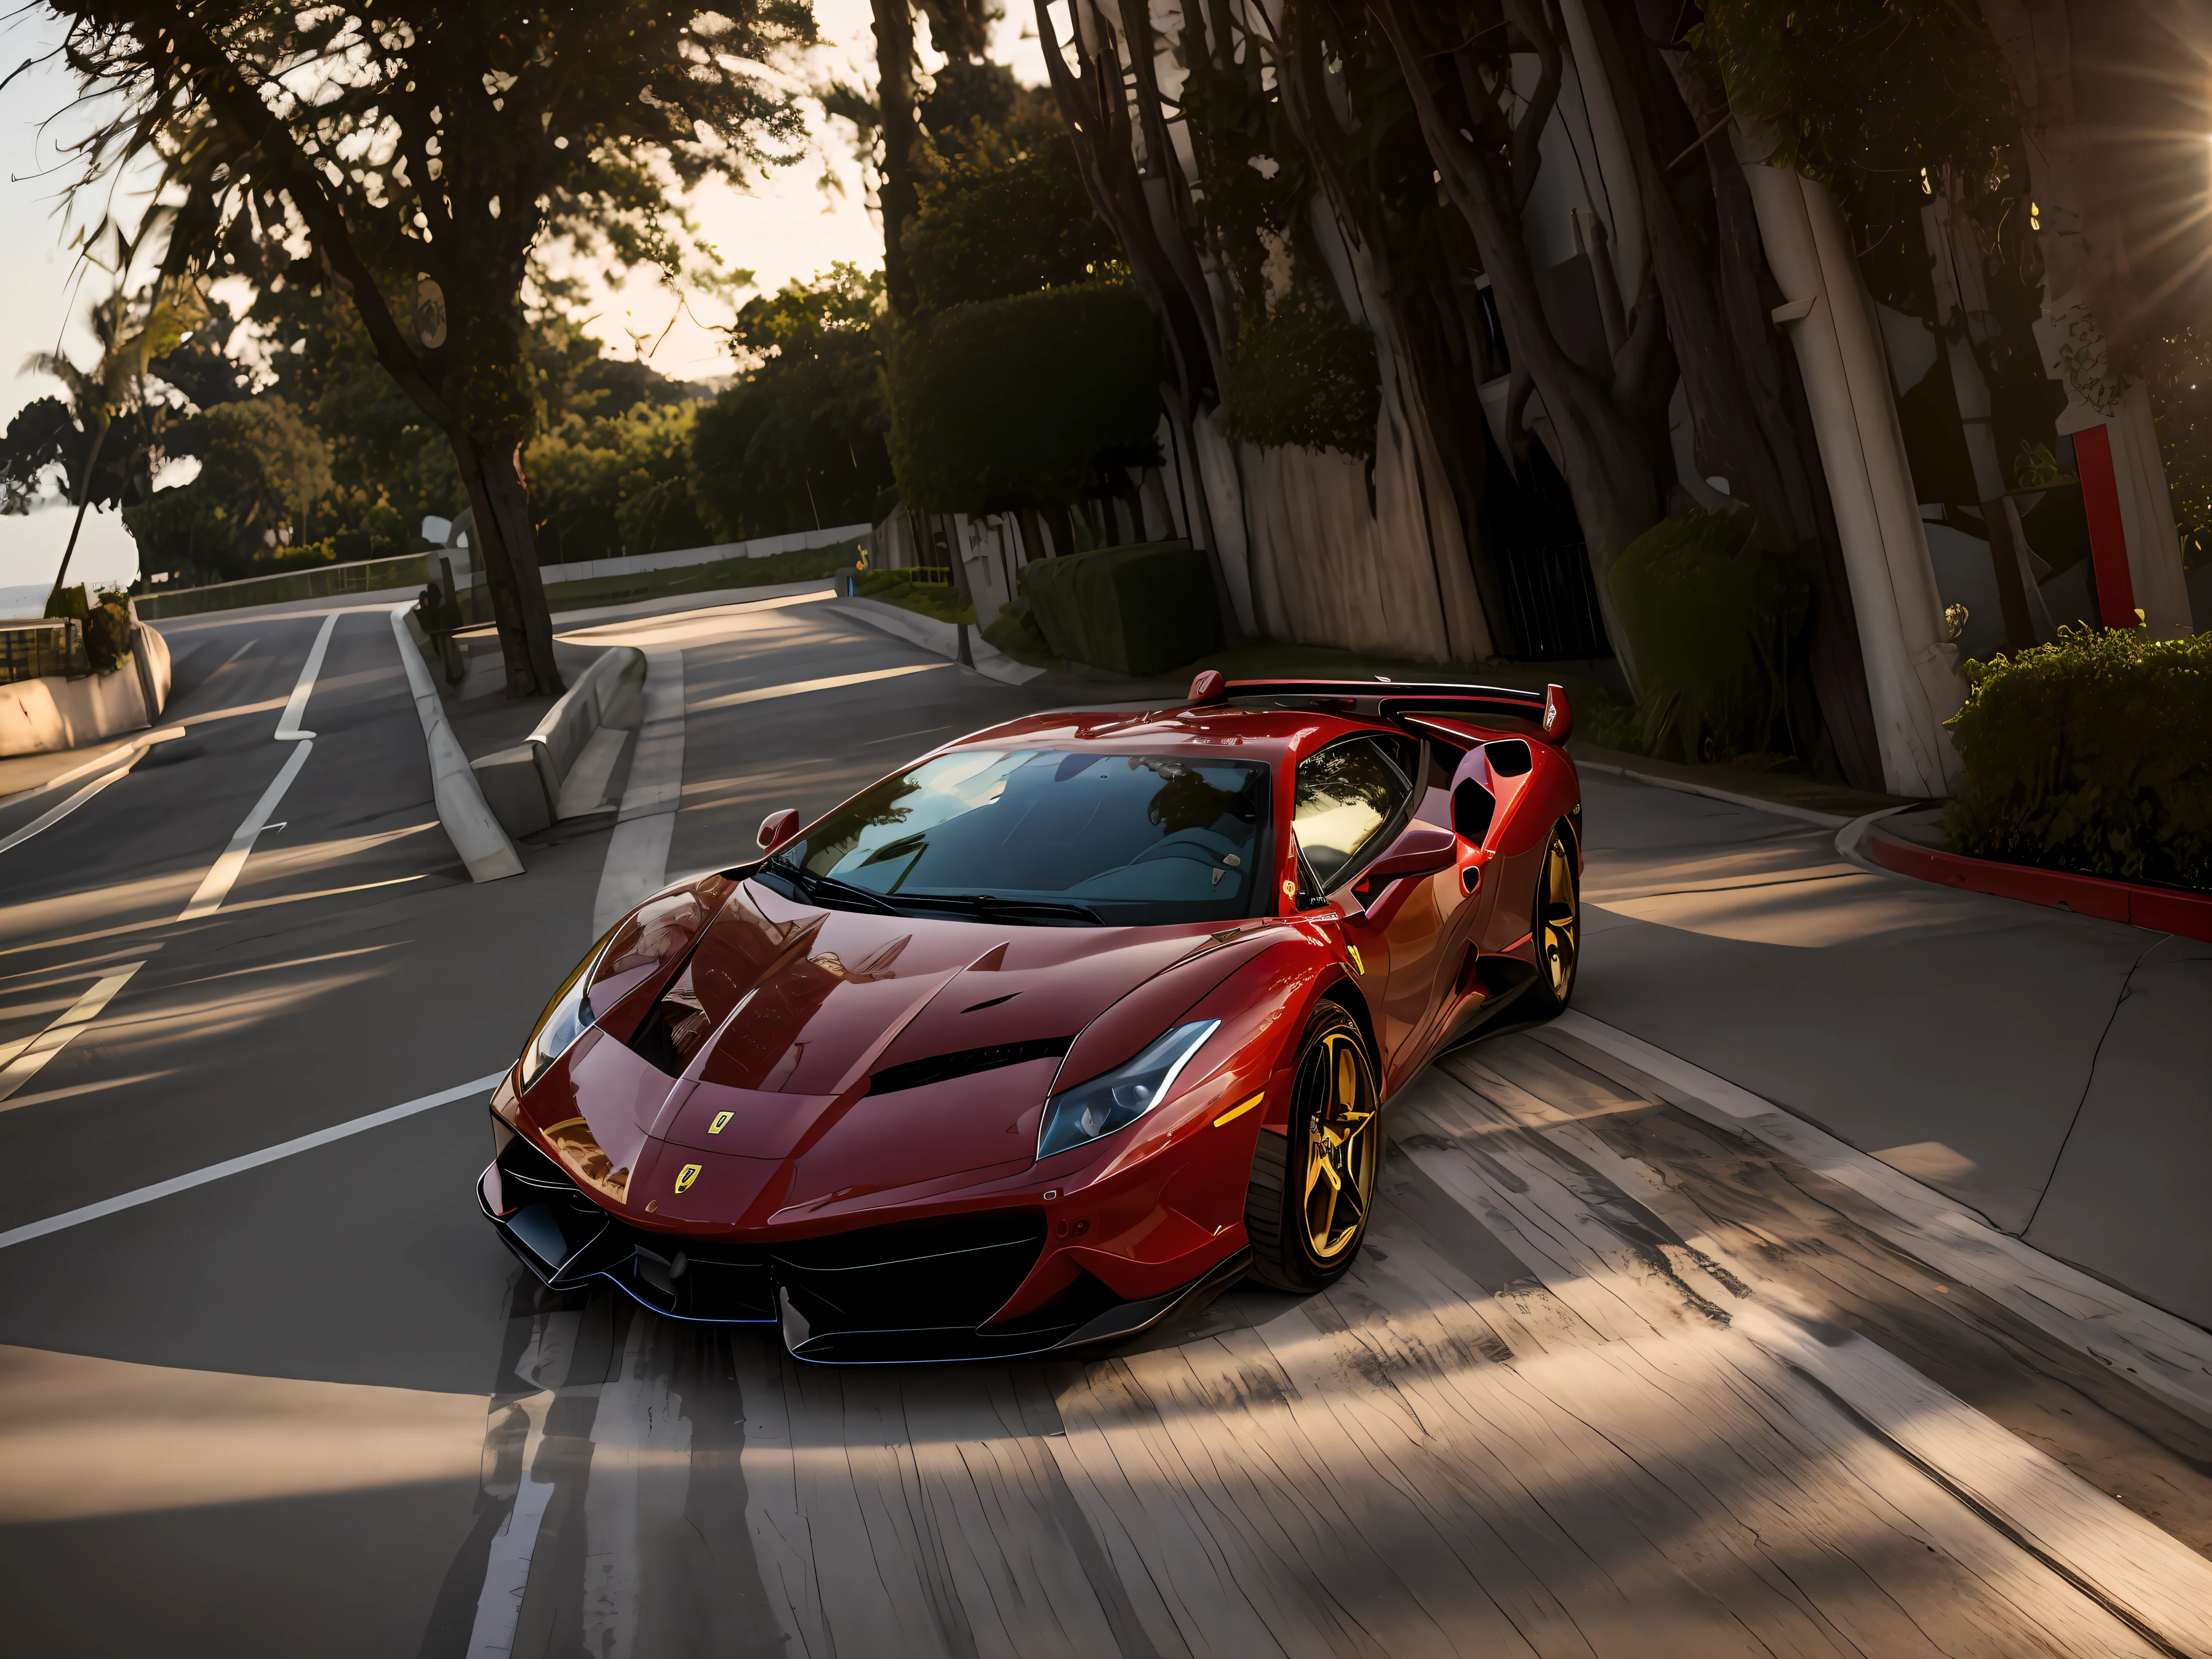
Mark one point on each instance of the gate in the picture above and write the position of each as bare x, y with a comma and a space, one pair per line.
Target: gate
1551, 603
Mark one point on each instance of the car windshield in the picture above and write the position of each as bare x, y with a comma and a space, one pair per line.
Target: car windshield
1046, 837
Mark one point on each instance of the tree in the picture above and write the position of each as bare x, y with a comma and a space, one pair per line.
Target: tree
999, 205
132, 334
798, 440
447, 146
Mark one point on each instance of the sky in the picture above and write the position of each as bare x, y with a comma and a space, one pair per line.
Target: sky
780, 228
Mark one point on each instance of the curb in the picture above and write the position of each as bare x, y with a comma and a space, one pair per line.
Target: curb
469, 823
2161, 909
1781, 809
942, 637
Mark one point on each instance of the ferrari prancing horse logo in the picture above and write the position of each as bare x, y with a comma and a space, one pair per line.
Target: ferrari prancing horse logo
689, 1174
721, 1123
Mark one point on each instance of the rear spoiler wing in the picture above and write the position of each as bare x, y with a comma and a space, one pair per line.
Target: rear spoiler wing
1547, 709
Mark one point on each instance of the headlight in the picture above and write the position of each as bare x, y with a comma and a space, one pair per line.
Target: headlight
1123, 1095
566, 1017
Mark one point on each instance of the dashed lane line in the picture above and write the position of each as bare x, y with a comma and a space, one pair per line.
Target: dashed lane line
26, 1057
231, 1166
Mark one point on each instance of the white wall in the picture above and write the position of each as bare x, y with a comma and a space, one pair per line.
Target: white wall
46, 716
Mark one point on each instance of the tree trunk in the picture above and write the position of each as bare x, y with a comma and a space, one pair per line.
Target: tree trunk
1751, 422
84, 499
493, 476
1609, 429
896, 195
1167, 272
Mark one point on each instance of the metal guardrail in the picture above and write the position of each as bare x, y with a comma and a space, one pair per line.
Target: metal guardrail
314, 582
37, 650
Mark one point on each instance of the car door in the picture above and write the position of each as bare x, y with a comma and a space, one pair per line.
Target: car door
1354, 799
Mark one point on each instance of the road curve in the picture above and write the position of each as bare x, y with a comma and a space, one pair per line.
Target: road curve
1612, 1377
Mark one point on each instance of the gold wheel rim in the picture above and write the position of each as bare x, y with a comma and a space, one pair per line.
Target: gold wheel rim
1343, 1139
1560, 922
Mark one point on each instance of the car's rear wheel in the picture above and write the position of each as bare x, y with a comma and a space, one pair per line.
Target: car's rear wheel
1306, 1210
1555, 919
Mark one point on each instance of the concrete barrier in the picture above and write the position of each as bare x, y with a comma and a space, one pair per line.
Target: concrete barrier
56, 712
565, 768
469, 823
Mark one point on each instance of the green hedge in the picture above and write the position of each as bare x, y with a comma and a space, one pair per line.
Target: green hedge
1714, 622
1014, 403
1139, 610
2090, 754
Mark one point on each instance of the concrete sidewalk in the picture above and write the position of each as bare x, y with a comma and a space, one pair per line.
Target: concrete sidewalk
2047, 1069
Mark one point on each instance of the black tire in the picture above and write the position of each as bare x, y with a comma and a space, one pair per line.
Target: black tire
1306, 1224
1555, 919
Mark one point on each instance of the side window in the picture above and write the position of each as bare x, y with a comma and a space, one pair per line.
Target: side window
1347, 796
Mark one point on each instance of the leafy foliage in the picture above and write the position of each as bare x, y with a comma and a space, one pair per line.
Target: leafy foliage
1853, 89
606, 485
1715, 623
798, 441
1018, 402
1001, 208
2093, 754
2177, 366
105, 626
1301, 375
454, 144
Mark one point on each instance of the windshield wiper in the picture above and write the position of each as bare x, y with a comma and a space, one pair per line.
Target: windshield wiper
989, 908
827, 890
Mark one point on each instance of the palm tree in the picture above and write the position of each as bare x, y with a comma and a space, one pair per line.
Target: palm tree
132, 332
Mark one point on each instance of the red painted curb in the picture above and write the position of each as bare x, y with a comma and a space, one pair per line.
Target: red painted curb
2161, 909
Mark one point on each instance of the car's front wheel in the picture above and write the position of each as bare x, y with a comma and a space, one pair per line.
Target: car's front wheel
1306, 1210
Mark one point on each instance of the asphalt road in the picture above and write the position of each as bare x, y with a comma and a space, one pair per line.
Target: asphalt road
1565, 1404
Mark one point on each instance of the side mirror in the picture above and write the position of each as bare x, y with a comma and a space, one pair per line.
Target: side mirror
1422, 850
778, 827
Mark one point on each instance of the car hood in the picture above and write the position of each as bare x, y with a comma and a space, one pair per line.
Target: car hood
810, 1060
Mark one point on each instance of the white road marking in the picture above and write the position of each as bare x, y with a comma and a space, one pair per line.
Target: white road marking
767, 693
26, 1057
2137, 1571
288, 728
231, 1166
2165, 1355
124, 754
507, 1568
216, 886
230, 864
54, 815
236, 655
151, 922
637, 852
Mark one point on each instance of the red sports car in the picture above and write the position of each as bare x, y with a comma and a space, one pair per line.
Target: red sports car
1069, 1025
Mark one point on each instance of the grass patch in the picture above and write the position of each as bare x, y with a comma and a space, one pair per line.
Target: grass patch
803, 564
935, 600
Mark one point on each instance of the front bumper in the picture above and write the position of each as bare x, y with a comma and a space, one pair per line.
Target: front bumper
893, 1294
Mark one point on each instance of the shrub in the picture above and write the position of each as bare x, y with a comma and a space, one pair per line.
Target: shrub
2093, 754
1016, 634
1299, 376
105, 626
1139, 610
1713, 620
1022, 402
